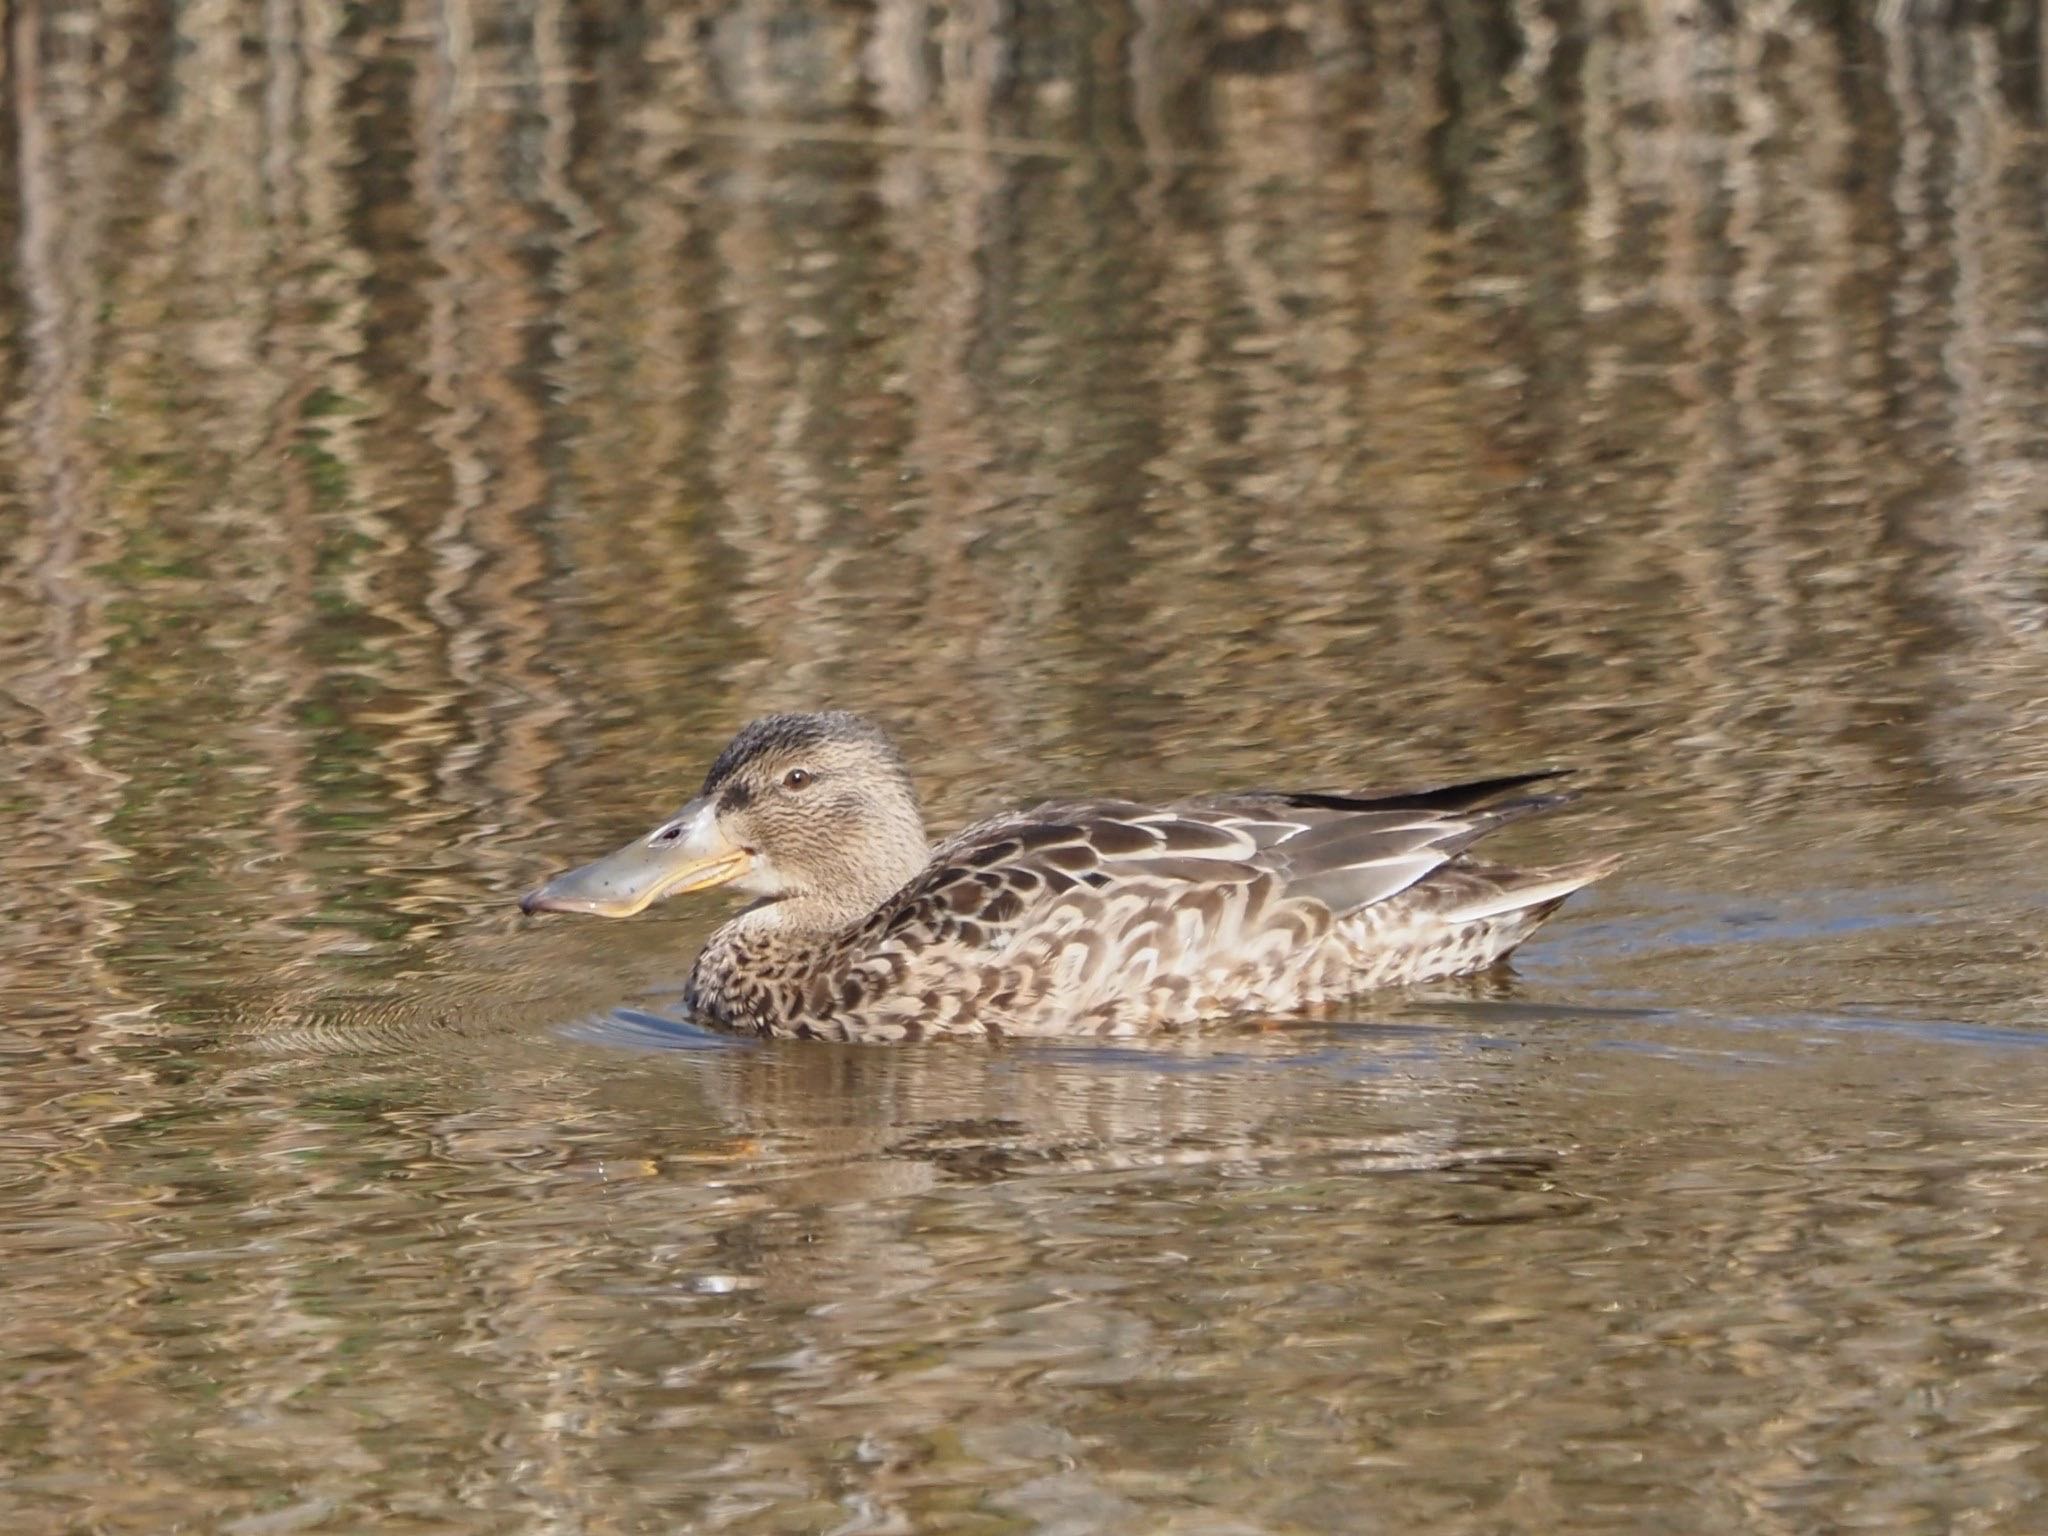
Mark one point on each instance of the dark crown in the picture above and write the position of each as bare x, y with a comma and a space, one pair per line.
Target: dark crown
779, 734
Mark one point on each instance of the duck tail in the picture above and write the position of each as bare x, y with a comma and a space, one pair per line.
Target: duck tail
1534, 893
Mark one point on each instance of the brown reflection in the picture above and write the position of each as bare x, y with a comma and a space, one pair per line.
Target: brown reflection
59, 633
433, 424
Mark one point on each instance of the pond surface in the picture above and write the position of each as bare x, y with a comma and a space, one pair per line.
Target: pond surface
431, 429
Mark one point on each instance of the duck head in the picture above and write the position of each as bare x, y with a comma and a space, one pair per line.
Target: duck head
814, 810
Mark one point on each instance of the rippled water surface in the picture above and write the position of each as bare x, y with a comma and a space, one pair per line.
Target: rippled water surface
431, 428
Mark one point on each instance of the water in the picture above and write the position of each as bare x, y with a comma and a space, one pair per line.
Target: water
431, 429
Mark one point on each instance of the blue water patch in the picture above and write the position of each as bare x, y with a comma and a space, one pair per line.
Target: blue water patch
1334, 1047
1690, 923
637, 1029
1939, 1031
1934, 1031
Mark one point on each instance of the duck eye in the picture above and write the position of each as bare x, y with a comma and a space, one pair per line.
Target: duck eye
796, 778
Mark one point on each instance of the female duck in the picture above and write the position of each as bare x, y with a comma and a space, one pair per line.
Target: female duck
1086, 917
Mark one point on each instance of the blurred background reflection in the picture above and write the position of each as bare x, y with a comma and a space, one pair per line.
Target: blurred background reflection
431, 428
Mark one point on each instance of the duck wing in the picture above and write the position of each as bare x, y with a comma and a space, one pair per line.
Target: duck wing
1344, 851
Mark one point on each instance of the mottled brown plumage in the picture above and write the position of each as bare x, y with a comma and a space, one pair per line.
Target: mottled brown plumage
1093, 917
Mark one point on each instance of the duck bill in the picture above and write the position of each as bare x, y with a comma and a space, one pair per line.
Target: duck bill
685, 853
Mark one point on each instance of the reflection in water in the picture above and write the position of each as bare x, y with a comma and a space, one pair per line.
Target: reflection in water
431, 427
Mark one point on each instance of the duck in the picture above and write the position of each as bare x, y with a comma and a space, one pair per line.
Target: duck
1085, 917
